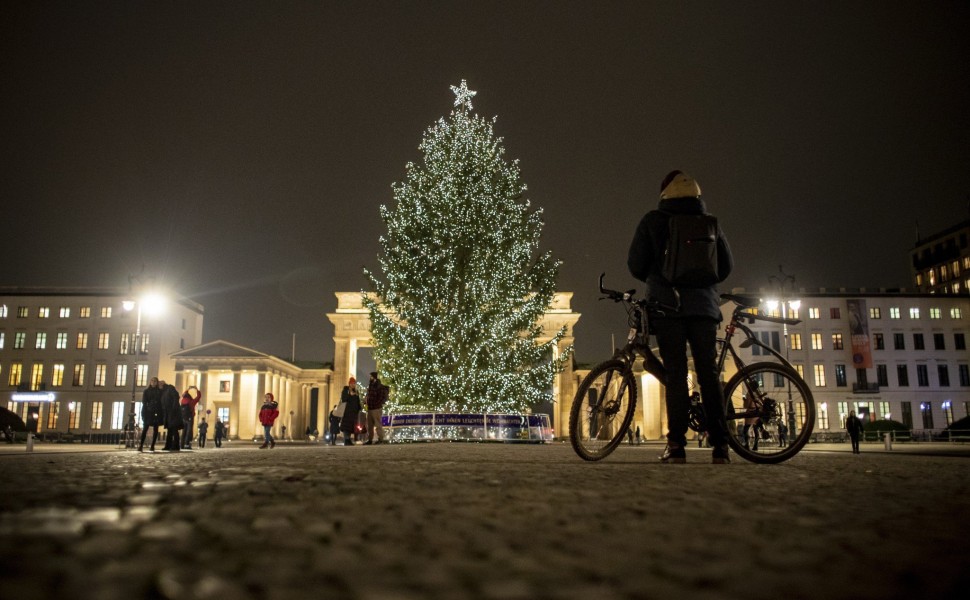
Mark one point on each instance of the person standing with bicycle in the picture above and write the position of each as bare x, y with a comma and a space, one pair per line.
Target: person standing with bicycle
650, 260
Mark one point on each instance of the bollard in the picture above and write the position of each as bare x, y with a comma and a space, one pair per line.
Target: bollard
889, 442
30, 442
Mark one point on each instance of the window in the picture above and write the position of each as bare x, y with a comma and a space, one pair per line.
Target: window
85, 312
121, 375
104, 339
19, 340
964, 371
948, 412
57, 375
906, 414
935, 313
117, 415
61, 342
22, 312
52, 414
82, 341
792, 313
884, 410
823, 416
819, 375
902, 376
956, 313
183, 323
835, 313
843, 413
3, 311
840, 375
36, 376
105, 312
816, 341
222, 414
959, 342
65, 312
16, 373
914, 313
894, 312
943, 372
123, 346
918, 341
40, 340
800, 370
78, 380
875, 312
44, 312
796, 341
938, 341
880, 343
2, 337
100, 375
882, 375
837, 341
922, 376
141, 375
899, 342
926, 409
97, 409
813, 312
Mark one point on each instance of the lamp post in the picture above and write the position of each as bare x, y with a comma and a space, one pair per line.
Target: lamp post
781, 282
152, 302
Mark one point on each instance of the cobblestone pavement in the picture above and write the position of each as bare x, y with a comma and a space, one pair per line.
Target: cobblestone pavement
479, 521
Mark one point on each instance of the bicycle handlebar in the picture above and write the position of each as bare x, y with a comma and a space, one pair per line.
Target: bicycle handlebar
628, 296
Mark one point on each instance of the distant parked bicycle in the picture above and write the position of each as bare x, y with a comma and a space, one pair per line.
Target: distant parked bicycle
773, 392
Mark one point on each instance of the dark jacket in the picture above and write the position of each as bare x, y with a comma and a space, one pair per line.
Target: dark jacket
853, 425
151, 407
645, 261
171, 411
376, 395
220, 430
348, 422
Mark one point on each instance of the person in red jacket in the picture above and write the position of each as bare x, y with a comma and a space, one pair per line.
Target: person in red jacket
267, 416
188, 403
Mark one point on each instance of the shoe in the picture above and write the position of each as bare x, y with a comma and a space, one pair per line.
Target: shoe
141, 448
367, 443
264, 446
272, 444
720, 456
673, 455
378, 442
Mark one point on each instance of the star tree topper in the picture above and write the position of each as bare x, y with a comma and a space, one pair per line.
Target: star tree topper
463, 95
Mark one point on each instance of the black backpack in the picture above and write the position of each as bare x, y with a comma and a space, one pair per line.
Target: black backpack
690, 257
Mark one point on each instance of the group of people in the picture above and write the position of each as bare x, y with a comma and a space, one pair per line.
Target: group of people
161, 406
345, 417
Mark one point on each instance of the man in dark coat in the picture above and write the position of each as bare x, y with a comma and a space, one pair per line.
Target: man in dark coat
172, 415
348, 422
375, 400
695, 323
151, 413
853, 425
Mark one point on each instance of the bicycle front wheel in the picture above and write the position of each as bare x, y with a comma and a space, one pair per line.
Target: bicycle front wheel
602, 410
785, 412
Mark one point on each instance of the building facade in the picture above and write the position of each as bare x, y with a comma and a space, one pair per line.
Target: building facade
941, 262
74, 359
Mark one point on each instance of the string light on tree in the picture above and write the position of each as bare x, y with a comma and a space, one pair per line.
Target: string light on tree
454, 318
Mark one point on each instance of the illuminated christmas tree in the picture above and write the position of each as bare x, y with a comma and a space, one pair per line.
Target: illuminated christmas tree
455, 320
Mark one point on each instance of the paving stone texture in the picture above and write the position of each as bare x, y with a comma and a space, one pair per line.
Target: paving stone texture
480, 521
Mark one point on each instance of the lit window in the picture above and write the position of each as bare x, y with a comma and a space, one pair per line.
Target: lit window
40, 341
82, 341
85, 312
894, 312
792, 312
914, 312
955, 267
813, 312
123, 346
840, 379
105, 312
97, 408
819, 375
65, 312
796, 341
19, 340
816, 341
875, 312
100, 375
78, 380
800, 370
919, 279
16, 374
931, 276
74, 415
117, 415
22, 312
53, 408
3, 311
37, 376
43, 312
2, 336
823, 416
104, 339
121, 375
142, 376
956, 313
57, 375
944, 273
61, 342
935, 313
837, 341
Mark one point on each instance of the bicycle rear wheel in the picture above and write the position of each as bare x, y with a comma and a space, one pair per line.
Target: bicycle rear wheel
786, 412
602, 410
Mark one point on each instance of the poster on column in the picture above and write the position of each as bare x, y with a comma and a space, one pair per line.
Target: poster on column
859, 333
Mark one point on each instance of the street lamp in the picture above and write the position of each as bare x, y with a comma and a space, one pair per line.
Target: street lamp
151, 302
785, 284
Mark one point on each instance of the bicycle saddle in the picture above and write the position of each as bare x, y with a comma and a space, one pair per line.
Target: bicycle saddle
745, 301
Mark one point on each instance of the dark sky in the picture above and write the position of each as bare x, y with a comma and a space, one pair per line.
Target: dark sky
240, 150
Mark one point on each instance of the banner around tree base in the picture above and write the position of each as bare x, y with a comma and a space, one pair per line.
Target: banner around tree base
467, 427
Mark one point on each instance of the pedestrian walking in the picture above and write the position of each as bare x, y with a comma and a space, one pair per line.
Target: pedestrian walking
637, 435
334, 428
376, 399
190, 398
220, 432
854, 426
657, 254
171, 415
151, 413
203, 430
782, 434
348, 421
267, 416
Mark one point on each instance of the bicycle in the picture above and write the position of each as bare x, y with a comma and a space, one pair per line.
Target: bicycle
772, 392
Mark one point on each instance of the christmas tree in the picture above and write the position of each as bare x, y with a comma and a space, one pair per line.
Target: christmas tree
455, 321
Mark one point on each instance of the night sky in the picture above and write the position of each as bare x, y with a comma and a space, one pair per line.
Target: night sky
240, 150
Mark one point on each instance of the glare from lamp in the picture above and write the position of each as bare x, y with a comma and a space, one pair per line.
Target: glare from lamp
771, 304
153, 303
